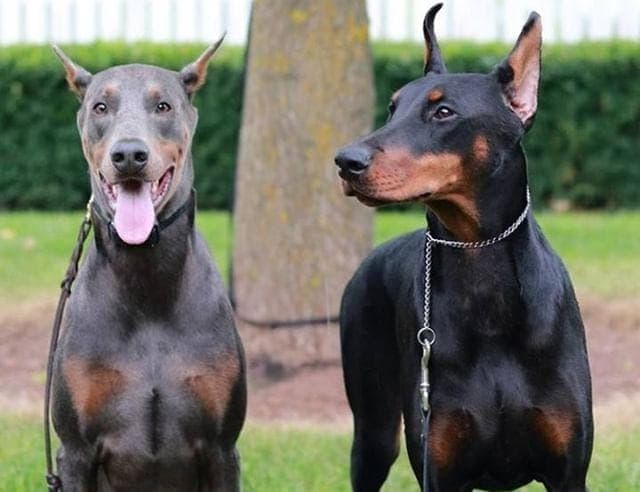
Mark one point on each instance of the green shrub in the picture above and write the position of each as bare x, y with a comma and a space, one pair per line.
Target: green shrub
584, 146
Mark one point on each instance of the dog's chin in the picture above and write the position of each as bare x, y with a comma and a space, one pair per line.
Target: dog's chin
349, 190
370, 200
159, 188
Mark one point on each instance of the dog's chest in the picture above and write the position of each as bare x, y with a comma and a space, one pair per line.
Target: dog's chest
484, 379
152, 374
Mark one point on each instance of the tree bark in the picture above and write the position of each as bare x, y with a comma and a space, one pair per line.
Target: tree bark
309, 90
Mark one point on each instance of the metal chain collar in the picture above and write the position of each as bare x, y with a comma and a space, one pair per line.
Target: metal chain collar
426, 336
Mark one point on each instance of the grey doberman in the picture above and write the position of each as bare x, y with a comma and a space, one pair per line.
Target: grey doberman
510, 390
149, 381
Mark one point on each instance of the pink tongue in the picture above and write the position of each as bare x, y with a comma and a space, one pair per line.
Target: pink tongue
135, 216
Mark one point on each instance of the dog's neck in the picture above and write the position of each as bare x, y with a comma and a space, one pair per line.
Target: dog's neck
496, 203
149, 276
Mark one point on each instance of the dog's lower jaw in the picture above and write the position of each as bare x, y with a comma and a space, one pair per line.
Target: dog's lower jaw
159, 188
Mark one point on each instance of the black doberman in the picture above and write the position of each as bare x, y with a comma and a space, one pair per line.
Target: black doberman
149, 383
510, 383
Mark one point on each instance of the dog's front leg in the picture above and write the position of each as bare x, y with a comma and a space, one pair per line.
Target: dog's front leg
221, 472
77, 469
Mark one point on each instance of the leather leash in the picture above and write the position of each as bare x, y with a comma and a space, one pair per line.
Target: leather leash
54, 483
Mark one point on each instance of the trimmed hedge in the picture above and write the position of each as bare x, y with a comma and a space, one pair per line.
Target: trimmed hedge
584, 146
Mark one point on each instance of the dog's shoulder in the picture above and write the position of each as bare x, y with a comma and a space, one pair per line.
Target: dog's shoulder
390, 265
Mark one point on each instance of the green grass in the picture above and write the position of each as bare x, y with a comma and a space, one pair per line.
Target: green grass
307, 459
599, 249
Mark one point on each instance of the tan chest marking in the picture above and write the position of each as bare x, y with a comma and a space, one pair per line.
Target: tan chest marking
91, 384
212, 383
555, 428
447, 437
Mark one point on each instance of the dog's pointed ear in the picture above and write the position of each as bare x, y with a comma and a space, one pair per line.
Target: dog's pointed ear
519, 74
432, 58
194, 74
77, 77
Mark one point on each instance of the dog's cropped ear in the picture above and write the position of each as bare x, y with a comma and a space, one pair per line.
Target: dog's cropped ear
194, 74
519, 74
432, 57
77, 77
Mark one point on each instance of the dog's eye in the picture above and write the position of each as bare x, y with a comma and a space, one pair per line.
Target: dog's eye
163, 107
443, 113
100, 108
391, 109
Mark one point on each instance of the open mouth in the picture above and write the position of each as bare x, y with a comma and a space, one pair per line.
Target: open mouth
134, 203
159, 188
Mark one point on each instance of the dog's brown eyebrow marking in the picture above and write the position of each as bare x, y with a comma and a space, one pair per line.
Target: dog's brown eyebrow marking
435, 95
154, 90
110, 89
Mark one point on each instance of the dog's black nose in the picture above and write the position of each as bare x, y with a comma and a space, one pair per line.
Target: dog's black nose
354, 159
129, 156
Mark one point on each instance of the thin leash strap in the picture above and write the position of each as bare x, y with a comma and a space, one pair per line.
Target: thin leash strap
425, 458
427, 337
54, 483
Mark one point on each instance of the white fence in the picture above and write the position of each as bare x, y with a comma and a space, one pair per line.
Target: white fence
39, 21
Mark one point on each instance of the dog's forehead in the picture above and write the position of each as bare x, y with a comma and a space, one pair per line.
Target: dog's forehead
137, 79
460, 87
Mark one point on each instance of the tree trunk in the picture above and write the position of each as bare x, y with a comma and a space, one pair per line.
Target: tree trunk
309, 90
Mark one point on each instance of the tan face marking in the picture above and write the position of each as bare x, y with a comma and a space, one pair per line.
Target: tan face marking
439, 180
91, 385
171, 153
447, 437
435, 95
109, 90
555, 428
94, 154
396, 175
154, 91
212, 384
480, 149
459, 215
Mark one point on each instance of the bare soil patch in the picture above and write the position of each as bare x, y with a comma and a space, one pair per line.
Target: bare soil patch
295, 374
